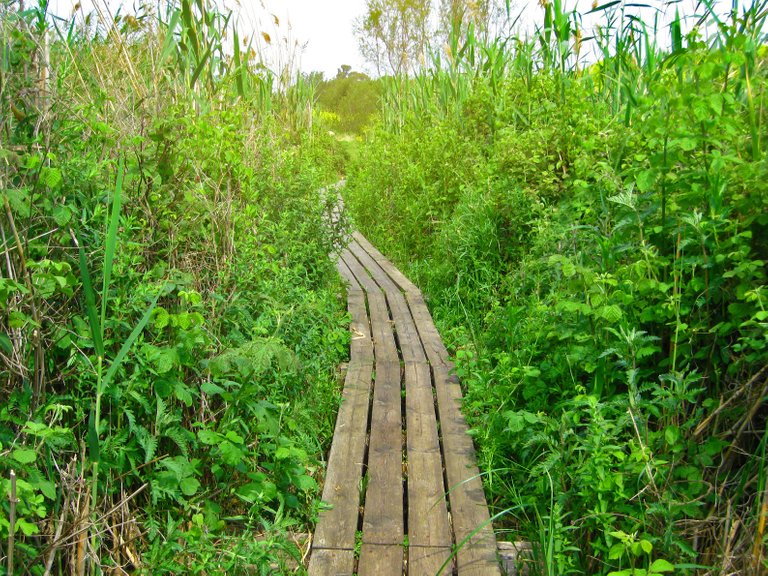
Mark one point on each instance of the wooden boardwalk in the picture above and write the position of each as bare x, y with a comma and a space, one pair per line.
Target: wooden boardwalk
402, 483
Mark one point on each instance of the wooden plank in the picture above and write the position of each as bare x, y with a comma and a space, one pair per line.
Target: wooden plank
411, 348
332, 563
378, 560
337, 526
421, 420
407, 333
361, 276
427, 513
428, 524
347, 276
383, 519
430, 337
469, 511
398, 277
361, 343
381, 325
427, 561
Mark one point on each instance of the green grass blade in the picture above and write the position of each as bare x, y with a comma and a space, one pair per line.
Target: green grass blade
90, 302
238, 64
169, 45
94, 447
111, 245
200, 68
126, 347
189, 26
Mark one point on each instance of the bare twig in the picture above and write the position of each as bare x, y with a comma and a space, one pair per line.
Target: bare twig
56, 536
704, 423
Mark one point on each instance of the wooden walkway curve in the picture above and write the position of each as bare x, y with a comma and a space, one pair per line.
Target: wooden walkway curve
402, 484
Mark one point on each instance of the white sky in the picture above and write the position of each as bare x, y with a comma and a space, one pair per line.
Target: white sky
322, 29
326, 28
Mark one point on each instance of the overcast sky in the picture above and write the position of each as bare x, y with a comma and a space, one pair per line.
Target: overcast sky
322, 30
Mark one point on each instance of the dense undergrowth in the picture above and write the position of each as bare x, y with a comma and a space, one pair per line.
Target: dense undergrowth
169, 320
592, 240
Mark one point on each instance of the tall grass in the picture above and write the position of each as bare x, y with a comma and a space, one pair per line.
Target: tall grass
167, 293
571, 220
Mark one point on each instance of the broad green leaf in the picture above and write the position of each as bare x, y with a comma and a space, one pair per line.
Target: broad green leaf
283, 453
18, 200
230, 453
645, 180
211, 389
234, 437
28, 528
305, 483
51, 177
672, 435
47, 488
161, 318
625, 198
611, 313
251, 492
209, 437
62, 214
189, 486
165, 360
661, 565
24, 455
616, 551
183, 392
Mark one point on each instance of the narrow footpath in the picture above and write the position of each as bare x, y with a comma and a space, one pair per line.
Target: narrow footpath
402, 486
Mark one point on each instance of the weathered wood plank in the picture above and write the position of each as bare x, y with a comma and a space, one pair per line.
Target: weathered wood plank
407, 333
361, 345
337, 526
421, 420
383, 518
428, 524
381, 325
347, 276
469, 511
332, 563
427, 513
398, 277
430, 337
381, 560
382, 302
426, 561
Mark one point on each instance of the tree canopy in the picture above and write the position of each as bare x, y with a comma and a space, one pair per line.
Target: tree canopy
393, 34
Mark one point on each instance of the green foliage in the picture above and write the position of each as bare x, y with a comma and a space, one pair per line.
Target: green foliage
592, 243
353, 99
169, 316
393, 34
